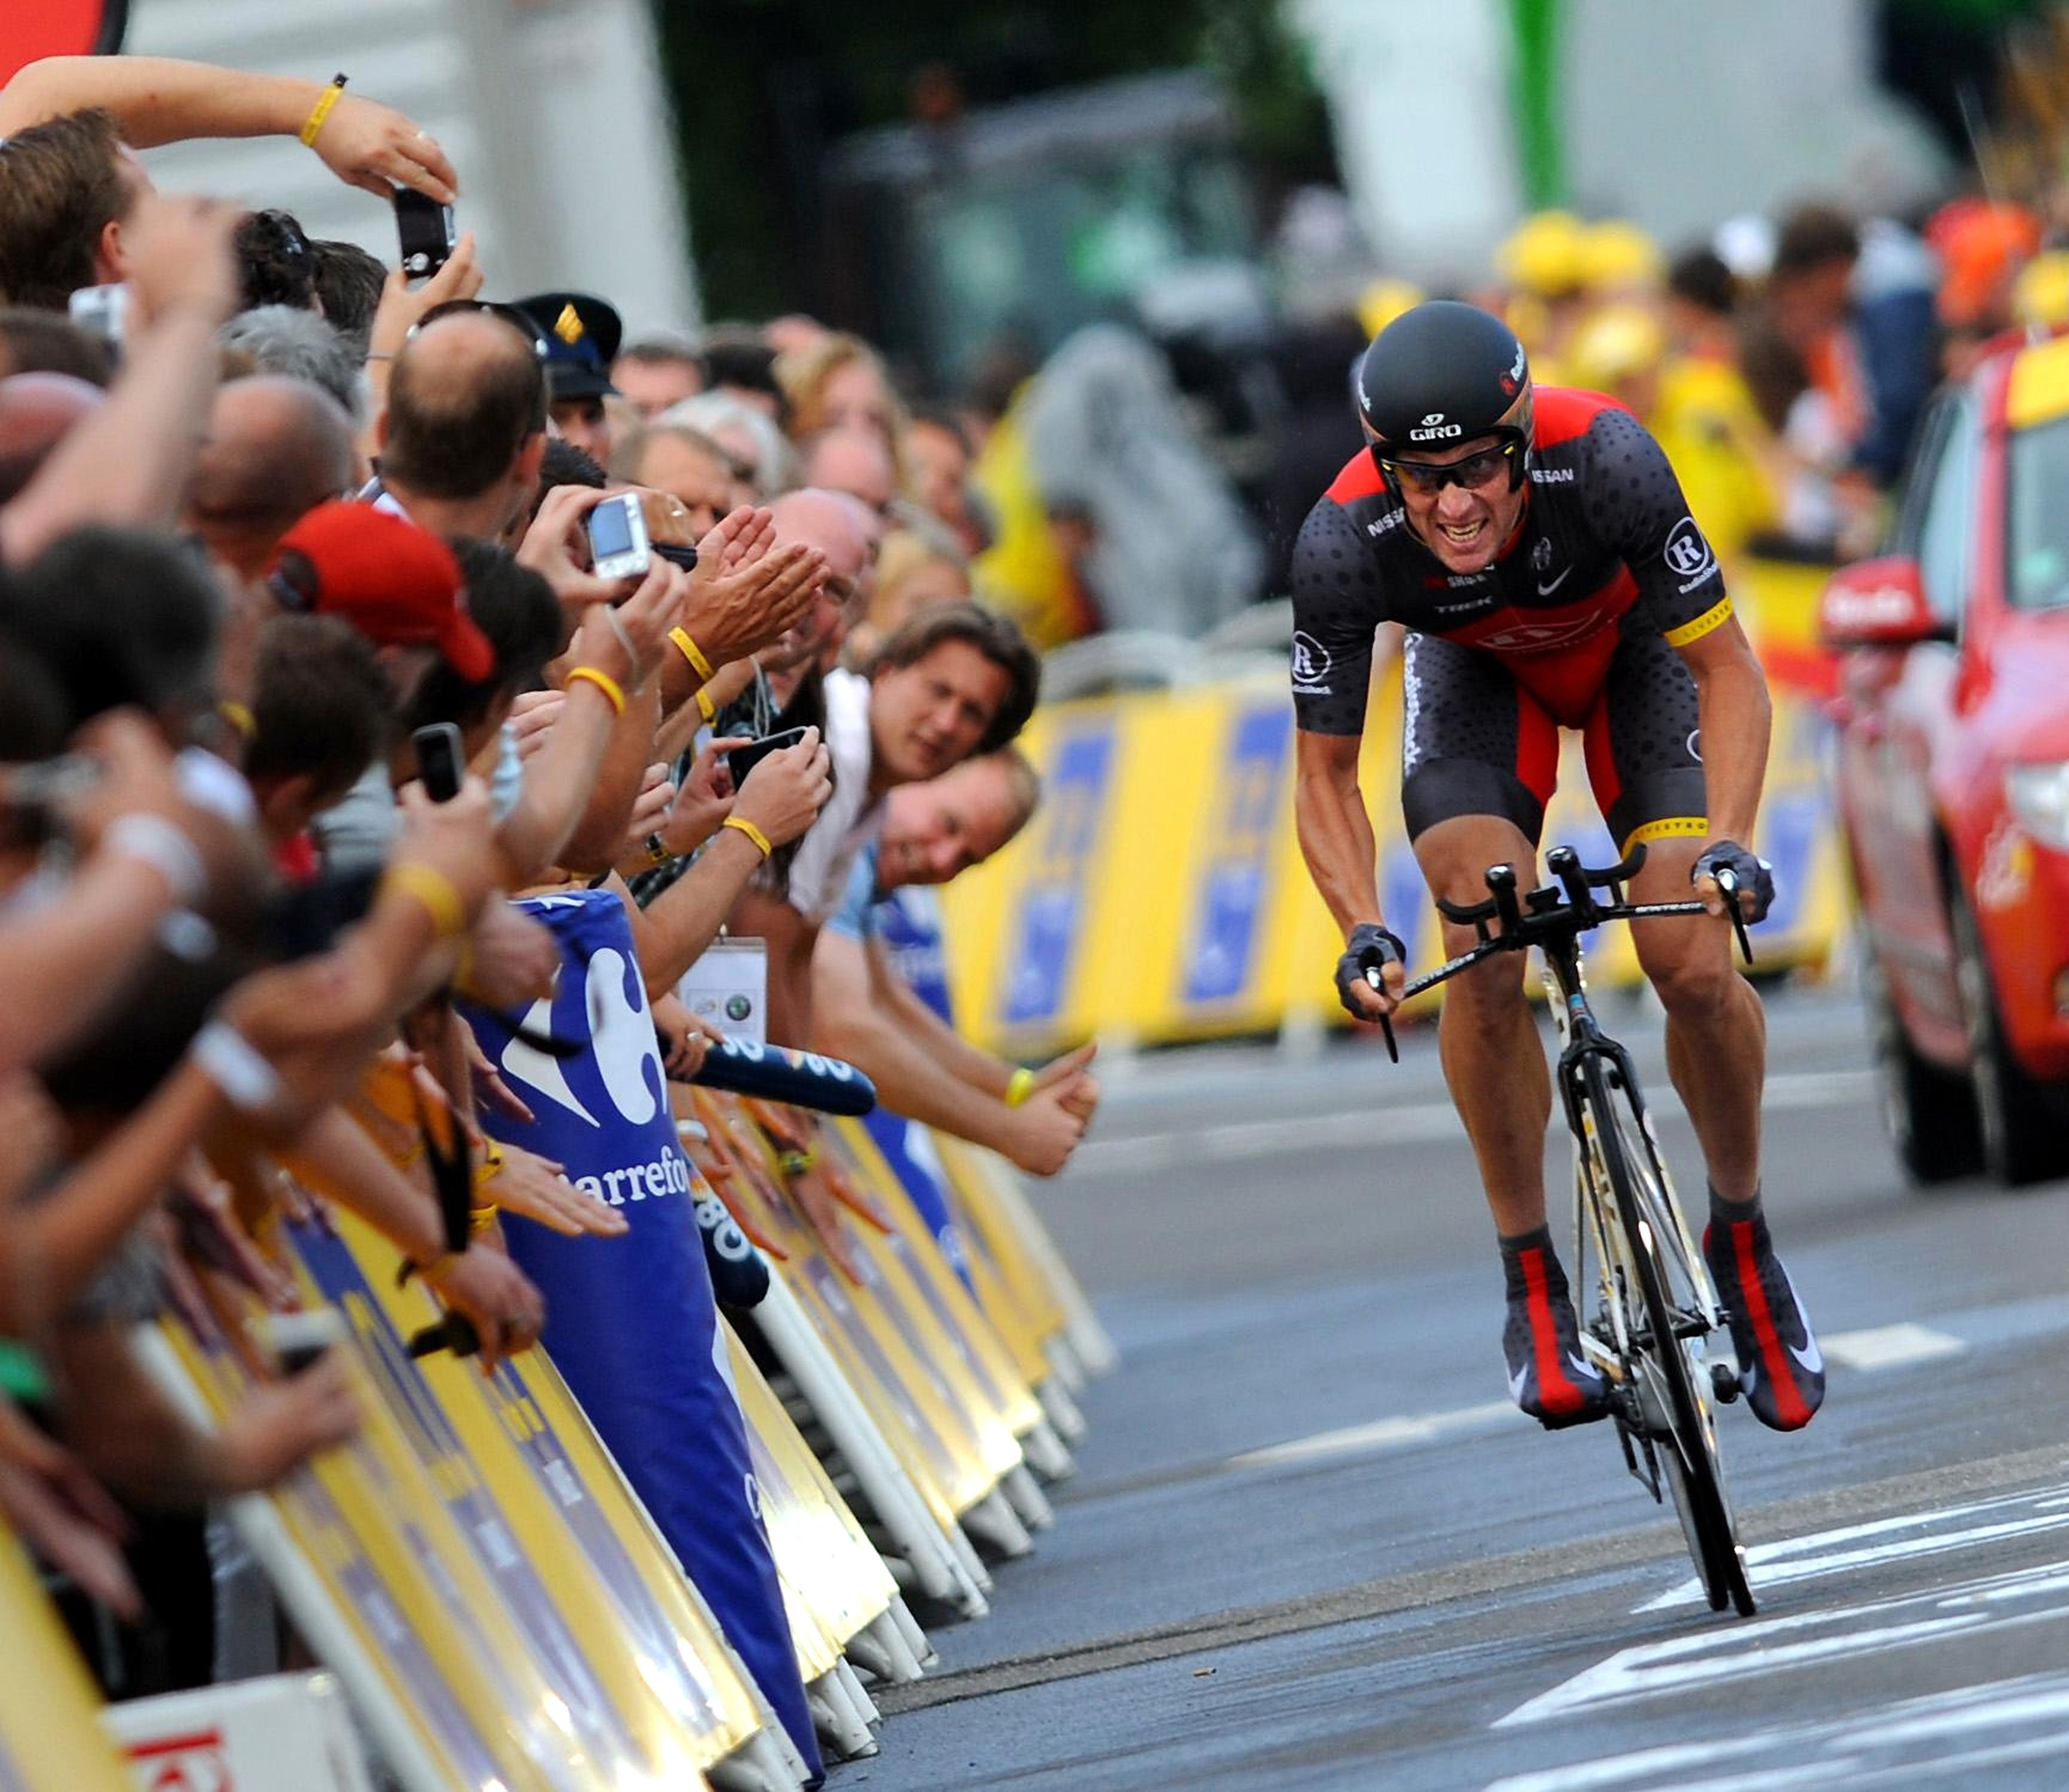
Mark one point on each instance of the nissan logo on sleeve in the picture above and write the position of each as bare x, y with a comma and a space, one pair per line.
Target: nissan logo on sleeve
1434, 429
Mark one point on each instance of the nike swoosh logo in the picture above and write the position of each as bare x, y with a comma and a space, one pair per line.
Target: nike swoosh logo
1515, 1385
1545, 590
1584, 1371
1812, 1359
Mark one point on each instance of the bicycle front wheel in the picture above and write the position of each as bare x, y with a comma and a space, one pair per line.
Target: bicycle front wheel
1666, 1345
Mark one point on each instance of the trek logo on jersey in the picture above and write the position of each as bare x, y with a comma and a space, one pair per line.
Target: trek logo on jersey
1541, 637
1434, 429
1311, 663
1688, 554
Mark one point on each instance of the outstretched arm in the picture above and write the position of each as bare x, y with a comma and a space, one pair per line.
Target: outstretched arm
156, 99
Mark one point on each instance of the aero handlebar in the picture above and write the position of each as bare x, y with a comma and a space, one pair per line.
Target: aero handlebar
1552, 915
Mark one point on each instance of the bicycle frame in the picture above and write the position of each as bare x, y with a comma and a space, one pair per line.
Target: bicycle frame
1598, 1236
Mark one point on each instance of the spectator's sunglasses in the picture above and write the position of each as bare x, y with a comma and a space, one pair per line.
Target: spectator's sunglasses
1472, 472
523, 322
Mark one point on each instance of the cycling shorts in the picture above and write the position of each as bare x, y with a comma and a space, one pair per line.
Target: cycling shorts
1475, 742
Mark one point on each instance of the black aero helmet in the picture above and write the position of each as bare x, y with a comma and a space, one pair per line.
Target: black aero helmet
1445, 373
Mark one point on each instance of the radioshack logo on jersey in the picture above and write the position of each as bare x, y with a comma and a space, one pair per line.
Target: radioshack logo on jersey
1434, 428
1311, 663
1688, 554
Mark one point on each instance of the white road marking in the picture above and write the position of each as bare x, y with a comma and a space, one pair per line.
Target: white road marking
1381, 1434
1907, 1538
1885, 1347
1891, 1346
1419, 1123
1842, 1750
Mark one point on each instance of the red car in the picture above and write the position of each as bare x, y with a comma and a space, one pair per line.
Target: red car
1953, 777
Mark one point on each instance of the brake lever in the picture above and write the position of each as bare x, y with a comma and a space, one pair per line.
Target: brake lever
1375, 979
1728, 883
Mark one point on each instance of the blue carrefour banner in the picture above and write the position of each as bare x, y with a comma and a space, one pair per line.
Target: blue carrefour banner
630, 1320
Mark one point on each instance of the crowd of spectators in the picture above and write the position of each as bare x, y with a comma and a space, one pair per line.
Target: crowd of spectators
269, 510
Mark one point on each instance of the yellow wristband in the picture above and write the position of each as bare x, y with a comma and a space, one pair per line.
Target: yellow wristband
479, 1220
321, 111
741, 824
603, 681
704, 707
690, 652
490, 1167
436, 891
1018, 1087
239, 716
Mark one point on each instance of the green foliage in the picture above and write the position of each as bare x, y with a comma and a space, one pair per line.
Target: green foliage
761, 88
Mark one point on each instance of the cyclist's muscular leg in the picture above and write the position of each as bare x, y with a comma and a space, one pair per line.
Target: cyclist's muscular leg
1716, 1030
1493, 1060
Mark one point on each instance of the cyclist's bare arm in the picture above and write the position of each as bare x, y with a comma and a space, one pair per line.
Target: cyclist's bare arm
1732, 696
1336, 841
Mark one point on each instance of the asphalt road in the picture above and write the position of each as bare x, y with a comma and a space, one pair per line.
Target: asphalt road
1309, 1545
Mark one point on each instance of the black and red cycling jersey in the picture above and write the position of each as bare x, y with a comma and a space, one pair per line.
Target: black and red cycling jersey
1606, 549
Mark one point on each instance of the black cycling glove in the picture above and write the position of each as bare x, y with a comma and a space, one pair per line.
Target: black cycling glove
1748, 871
1370, 947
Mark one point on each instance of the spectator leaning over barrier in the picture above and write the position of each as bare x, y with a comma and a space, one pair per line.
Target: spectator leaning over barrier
656, 370
129, 461
34, 341
865, 1012
687, 464
275, 448
955, 681
760, 459
280, 339
582, 334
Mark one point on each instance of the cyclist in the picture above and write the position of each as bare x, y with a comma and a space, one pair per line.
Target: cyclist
1536, 548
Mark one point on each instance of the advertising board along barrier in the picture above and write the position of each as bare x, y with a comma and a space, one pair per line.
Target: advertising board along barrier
631, 1321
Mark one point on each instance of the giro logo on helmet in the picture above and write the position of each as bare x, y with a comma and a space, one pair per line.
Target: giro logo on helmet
1434, 429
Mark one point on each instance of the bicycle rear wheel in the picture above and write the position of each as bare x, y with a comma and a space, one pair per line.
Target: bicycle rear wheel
1671, 1362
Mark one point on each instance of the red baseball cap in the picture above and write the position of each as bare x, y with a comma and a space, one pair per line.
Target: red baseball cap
399, 585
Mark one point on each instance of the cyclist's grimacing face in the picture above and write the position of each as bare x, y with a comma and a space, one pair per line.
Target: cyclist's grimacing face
1465, 519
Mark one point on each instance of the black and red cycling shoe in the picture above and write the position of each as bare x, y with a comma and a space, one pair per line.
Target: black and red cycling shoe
1780, 1367
1549, 1377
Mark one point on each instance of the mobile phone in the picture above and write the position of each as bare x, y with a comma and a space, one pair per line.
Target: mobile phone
441, 760
743, 760
425, 229
618, 542
297, 1340
101, 312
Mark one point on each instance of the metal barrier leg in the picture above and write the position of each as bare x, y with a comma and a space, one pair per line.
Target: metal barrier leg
842, 1729
1045, 1453
1063, 1412
994, 1522
942, 1564
1030, 1504
915, 1638
880, 1649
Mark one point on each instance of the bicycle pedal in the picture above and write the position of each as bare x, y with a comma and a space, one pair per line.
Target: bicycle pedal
1724, 1382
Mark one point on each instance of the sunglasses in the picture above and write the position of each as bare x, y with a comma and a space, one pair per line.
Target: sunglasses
1475, 471
526, 325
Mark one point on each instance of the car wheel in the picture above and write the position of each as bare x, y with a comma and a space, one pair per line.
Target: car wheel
1930, 1113
2019, 1118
